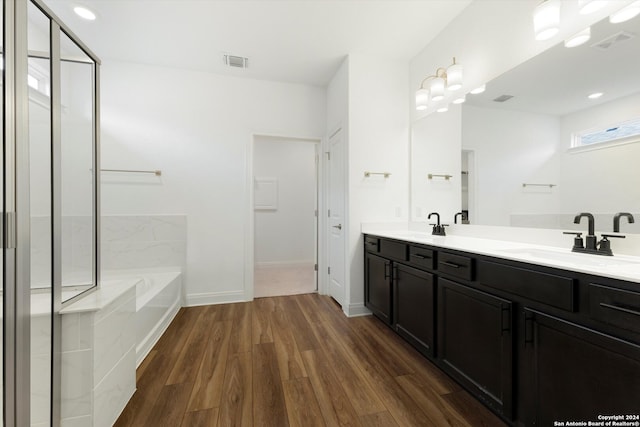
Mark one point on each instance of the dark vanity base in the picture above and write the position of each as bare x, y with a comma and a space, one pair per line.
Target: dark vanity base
534, 344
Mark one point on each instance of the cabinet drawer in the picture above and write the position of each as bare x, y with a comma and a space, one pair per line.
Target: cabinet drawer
422, 257
616, 307
393, 250
371, 244
557, 291
455, 265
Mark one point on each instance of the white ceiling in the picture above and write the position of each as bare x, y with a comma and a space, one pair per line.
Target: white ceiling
298, 41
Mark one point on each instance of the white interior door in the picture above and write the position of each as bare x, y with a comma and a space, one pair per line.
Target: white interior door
337, 225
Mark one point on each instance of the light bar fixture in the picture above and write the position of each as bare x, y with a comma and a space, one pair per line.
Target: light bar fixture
546, 19
444, 79
578, 38
628, 12
589, 6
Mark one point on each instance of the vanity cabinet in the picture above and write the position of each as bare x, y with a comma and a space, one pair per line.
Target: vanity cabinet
570, 372
475, 342
414, 300
378, 286
535, 344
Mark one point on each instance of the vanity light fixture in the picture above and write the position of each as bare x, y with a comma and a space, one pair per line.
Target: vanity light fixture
589, 6
84, 13
478, 90
422, 99
578, 38
449, 78
459, 100
546, 19
628, 12
595, 95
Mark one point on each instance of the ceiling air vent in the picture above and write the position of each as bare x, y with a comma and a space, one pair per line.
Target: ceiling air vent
503, 98
235, 61
610, 41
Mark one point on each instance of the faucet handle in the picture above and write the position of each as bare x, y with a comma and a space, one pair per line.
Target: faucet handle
617, 236
604, 246
578, 243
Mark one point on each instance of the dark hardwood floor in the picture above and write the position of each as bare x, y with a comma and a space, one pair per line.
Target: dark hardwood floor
292, 361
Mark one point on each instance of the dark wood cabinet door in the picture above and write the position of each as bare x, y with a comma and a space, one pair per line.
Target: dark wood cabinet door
378, 286
475, 343
414, 311
575, 373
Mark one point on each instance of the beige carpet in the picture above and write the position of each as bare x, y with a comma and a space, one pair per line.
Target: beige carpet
283, 279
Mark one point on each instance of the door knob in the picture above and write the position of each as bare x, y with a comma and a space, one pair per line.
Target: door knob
339, 226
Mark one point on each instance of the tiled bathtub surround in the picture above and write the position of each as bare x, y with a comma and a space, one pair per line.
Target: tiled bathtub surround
127, 242
143, 242
98, 355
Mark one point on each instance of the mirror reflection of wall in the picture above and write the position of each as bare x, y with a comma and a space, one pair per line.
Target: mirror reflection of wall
529, 137
436, 145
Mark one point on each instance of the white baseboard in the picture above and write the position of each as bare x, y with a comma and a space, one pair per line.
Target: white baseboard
284, 264
210, 298
356, 310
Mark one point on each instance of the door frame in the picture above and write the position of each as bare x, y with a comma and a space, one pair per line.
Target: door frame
249, 234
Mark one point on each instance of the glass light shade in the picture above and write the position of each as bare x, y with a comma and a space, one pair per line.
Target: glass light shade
626, 13
454, 77
579, 38
84, 13
546, 19
422, 99
459, 100
589, 6
436, 87
478, 90
443, 109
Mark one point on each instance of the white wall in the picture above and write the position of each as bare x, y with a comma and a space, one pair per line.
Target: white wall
288, 233
378, 141
197, 128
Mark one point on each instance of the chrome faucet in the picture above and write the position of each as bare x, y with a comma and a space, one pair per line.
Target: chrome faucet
616, 220
438, 229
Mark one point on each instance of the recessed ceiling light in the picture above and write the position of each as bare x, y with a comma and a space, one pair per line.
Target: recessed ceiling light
478, 90
443, 109
84, 13
595, 95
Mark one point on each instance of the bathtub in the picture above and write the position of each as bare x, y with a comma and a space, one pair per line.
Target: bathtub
158, 299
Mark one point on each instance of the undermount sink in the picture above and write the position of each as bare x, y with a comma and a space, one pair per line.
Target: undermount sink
570, 257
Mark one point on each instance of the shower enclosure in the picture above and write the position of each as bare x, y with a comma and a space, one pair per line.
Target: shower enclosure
49, 198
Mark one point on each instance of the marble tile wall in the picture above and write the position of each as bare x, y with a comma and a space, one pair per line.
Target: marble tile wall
126, 242
143, 242
98, 363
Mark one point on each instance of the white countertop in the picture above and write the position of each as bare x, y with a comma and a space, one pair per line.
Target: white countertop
623, 267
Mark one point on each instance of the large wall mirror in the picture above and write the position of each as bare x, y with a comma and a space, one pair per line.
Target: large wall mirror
519, 164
